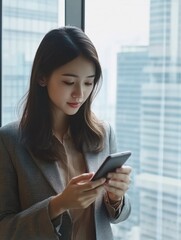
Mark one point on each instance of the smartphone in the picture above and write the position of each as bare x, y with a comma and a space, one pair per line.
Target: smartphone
110, 164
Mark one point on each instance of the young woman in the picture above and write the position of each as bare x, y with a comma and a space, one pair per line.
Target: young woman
48, 158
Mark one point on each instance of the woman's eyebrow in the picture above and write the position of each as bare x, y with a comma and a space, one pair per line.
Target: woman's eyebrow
91, 76
74, 75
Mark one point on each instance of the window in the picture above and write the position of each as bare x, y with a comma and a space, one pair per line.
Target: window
24, 25
139, 45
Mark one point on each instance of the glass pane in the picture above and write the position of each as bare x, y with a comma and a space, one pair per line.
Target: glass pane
139, 45
24, 25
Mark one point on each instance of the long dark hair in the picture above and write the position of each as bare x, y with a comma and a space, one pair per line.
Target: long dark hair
58, 47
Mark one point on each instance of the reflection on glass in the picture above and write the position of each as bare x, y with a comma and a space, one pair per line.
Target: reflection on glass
139, 44
24, 25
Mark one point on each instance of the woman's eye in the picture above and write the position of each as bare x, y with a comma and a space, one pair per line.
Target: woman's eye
68, 83
89, 83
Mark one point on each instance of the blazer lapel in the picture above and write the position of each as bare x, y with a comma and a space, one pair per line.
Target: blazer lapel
93, 161
51, 172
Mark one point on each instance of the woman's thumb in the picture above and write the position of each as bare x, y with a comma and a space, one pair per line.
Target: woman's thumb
82, 177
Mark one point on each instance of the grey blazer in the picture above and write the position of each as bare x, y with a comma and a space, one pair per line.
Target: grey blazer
27, 185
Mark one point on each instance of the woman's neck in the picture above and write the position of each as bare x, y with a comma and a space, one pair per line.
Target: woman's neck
60, 126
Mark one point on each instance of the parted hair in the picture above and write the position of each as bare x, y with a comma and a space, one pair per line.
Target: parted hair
58, 47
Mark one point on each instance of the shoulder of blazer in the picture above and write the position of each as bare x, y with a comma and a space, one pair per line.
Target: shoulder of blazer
10, 132
106, 126
110, 137
108, 129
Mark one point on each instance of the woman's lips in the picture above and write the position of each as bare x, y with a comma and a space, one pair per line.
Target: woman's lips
74, 105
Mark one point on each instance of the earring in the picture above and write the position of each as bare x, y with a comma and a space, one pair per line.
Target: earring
42, 82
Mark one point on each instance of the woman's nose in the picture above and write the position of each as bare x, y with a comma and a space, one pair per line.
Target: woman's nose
78, 92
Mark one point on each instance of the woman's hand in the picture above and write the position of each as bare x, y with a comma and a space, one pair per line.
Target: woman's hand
118, 183
79, 193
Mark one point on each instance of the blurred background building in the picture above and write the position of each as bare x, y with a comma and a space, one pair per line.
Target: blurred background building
148, 121
24, 25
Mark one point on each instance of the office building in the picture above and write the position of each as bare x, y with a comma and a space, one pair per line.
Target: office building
24, 25
149, 123
160, 152
130, 77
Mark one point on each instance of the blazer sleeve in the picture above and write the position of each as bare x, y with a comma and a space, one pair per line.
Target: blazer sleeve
32, 223
125, 210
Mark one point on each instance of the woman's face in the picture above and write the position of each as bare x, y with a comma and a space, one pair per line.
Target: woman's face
70, 85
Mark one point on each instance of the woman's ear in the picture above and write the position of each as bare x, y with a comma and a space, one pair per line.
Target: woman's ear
42, 82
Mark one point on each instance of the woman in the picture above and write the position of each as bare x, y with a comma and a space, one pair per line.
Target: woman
48, 158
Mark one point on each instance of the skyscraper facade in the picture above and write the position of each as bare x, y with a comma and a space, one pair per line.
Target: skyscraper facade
148, 122
160, 153
130, 77
24, 25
